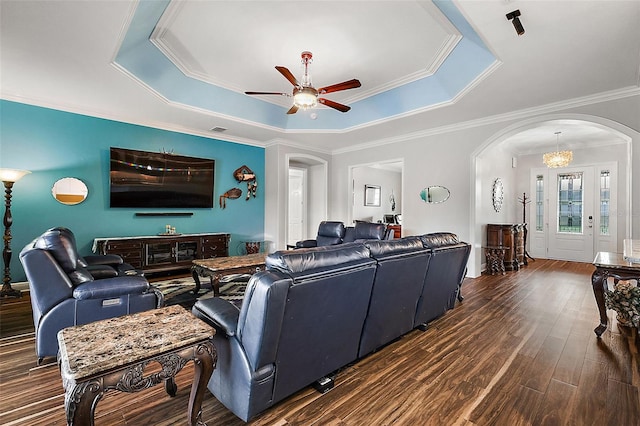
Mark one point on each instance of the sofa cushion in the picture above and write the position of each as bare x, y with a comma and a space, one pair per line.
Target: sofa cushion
62, 248
439, 239
111, 287
370, 231
302, 260
385, 247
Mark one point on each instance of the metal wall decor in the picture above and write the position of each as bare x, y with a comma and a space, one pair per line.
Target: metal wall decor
497, 194
241, 174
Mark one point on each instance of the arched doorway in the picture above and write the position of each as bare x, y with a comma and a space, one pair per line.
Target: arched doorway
525, 142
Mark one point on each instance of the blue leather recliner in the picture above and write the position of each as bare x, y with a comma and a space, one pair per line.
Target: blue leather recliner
300, 320
67, 289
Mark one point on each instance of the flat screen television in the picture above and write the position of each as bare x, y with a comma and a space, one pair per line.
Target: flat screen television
157, 179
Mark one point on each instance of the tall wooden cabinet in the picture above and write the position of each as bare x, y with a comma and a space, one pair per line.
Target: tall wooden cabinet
510, 236
164, 253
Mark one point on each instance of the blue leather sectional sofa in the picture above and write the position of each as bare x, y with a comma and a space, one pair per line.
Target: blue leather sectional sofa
313, 311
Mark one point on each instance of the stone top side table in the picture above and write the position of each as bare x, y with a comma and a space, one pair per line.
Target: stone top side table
112, 355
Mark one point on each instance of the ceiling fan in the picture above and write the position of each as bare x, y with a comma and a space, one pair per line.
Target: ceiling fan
304, 94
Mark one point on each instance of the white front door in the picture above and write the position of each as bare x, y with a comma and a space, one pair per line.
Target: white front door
571, 213
296, 225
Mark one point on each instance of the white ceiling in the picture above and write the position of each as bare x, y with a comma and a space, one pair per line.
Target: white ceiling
65, 55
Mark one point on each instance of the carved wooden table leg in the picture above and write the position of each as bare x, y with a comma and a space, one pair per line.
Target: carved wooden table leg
599, 282
495, 260
196, 279
205, 359
214, 278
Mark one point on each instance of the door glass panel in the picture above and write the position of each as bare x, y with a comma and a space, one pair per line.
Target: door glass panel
605, 200
570, 203
187, 251
159, 253
539, 203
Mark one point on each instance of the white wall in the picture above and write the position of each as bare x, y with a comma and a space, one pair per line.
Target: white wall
387, 180
448, 158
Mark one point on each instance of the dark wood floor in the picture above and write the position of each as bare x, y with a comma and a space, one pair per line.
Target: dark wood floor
520, 350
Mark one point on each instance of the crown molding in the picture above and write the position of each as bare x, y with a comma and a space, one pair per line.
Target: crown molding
499, 118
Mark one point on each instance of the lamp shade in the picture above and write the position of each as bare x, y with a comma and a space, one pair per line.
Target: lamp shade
12, 175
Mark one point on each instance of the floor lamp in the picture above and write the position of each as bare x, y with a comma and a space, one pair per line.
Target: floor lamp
8, 178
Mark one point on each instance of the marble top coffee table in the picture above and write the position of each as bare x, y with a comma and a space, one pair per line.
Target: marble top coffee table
112, 355
218, 267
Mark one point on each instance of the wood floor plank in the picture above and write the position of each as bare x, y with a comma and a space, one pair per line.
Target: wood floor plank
589, 405
558, 397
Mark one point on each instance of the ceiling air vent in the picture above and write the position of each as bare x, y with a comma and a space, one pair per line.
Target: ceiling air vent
218, 129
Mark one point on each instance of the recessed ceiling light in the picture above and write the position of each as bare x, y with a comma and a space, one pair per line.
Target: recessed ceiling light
218, 129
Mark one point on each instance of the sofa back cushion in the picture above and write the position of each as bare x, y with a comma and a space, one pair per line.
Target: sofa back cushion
319, 318
402, 266
316, 259
62, 247
445, 273
330, 233
439, 239
370, 231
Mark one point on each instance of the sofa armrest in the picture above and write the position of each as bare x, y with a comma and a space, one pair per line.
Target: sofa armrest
106, 259
99, 272
218, 313
307, 244
111, 287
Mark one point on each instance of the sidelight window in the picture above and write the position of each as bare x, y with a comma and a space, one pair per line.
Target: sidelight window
605, 201
539, 203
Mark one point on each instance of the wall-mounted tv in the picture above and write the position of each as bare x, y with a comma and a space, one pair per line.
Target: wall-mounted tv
157, 179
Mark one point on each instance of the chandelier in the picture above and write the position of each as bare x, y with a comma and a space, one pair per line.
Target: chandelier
557, 158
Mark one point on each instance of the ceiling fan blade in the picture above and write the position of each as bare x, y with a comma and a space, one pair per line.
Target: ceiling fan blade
287, 74
293, 109
345, 85
267, 93
334, 105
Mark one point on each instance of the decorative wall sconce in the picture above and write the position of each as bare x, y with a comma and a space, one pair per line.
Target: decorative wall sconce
513, 17
8, 178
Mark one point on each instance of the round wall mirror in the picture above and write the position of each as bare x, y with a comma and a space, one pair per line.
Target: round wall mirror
69, 191
435, 194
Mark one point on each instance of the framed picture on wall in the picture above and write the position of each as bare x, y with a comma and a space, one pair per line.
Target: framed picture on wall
372, 195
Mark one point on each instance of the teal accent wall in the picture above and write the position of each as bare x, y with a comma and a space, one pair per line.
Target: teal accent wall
53, 144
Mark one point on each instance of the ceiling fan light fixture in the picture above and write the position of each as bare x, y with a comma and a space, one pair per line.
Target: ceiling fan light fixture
306, 97
555, 159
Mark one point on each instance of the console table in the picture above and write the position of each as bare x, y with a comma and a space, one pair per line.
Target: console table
511, 237
112, 354
617, 266
160, 253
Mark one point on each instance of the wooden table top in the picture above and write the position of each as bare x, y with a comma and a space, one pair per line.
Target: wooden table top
231, 262
93, 348
614, 261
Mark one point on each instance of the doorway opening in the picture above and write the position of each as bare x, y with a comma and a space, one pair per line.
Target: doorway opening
596, 142
307, 196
